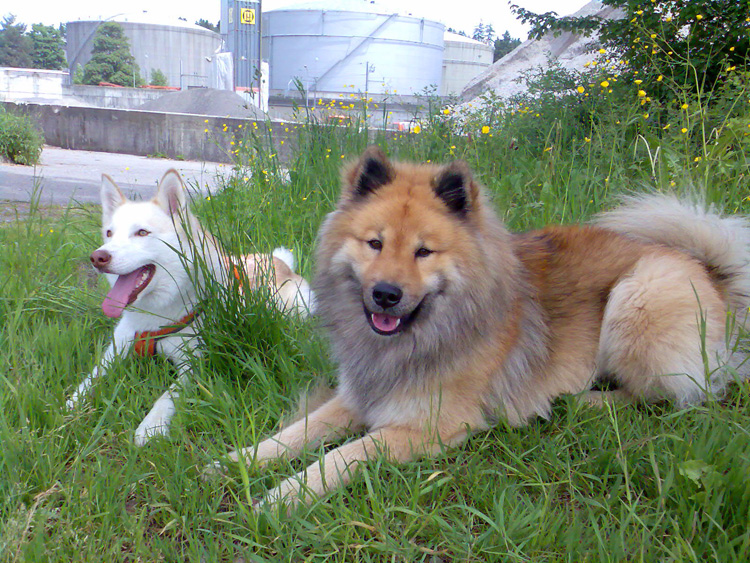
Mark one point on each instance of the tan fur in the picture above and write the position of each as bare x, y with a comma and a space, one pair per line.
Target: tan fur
494, 324
275, 274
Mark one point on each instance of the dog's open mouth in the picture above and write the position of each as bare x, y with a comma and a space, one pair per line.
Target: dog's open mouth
126, 290
387, 325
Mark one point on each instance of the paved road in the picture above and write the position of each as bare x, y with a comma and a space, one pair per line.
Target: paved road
64, 176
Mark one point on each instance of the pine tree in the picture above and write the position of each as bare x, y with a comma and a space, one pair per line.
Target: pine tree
15, 45
478, 34
158, 78
111, 60
48, 47
504, 45
208, 25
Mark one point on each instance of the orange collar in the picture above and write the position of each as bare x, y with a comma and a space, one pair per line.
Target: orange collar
145, 342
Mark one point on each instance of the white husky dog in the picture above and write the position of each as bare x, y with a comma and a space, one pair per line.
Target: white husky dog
148, 255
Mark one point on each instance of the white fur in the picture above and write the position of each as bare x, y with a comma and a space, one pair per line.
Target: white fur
173, 236
700, 231
286, 256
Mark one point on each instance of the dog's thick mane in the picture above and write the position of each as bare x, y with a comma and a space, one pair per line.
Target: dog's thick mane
452, 323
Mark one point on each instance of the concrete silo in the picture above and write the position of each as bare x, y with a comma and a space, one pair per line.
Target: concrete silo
182, 51
463, 59
350, 45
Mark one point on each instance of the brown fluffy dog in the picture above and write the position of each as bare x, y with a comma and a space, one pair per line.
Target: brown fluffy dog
441, 320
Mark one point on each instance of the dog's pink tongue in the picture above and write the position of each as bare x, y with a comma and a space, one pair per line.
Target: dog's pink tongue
385, 323
119, 296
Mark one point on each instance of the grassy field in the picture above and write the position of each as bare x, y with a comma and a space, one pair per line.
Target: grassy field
622, 483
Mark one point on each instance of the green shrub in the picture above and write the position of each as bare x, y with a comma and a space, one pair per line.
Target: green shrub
158, 78
20, 141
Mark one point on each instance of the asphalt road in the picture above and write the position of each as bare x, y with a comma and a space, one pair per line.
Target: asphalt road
66, 176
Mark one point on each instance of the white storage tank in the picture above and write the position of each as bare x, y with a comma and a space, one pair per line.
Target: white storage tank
351, 45
181, 50
463, 59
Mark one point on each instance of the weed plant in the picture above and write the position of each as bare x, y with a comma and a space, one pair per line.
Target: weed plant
20, 140
619, 483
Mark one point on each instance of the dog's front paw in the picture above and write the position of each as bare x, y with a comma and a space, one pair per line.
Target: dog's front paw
150, 427
156, 422
289, 494
146, 431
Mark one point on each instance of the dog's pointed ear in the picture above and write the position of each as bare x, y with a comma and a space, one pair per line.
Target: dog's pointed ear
371, 172
111, 197
455, 186
170, 195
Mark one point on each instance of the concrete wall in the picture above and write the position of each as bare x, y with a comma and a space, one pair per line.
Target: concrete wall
53, 86
28, 83
143, 133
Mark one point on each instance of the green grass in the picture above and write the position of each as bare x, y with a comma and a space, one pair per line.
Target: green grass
623, 483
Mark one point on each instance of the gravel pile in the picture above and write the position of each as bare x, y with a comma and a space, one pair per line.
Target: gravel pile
205, 101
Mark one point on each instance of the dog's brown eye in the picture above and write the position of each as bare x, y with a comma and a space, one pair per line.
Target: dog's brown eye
142, 233
375, 244
422, 252
109, 233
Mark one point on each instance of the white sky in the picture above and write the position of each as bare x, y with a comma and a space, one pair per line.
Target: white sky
459, 14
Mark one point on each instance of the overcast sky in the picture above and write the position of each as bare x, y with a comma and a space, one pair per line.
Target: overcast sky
459, 14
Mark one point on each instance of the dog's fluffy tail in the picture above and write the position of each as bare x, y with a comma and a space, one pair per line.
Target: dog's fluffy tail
721, 243
286, 256
302, 299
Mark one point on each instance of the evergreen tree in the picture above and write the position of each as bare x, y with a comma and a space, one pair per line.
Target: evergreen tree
78, 75
208, 25
478, 34
111, 60
158, 78
48, 47
484, 33
15, 45
504, 45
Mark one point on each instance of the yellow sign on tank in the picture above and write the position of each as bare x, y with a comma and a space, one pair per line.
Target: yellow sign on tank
247, 16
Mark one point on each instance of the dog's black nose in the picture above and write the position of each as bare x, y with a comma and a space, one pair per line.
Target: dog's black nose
386, 295
100, 258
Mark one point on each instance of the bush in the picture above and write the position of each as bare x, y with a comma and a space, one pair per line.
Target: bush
158, 78
20, 141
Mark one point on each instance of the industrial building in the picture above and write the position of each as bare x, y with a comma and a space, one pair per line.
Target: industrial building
326, 47
463, 59
183, 51
348, 45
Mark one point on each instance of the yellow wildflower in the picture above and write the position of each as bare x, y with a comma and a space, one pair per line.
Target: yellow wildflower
604, 84
485, 129
581, 89
641, 94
